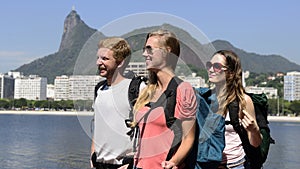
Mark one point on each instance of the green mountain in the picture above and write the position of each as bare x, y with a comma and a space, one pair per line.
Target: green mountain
259, 63
77, 52
190, 48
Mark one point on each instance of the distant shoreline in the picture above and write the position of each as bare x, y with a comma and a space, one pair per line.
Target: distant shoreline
89, 113
63, 113
283, 119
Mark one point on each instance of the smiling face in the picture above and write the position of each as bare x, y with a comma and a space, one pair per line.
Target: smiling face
155, 54
106, 62
113, 55
216, 69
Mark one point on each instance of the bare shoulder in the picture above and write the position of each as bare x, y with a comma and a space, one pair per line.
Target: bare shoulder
249, 104
248, 99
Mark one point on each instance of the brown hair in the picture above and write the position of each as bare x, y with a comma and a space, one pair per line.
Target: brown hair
234, 89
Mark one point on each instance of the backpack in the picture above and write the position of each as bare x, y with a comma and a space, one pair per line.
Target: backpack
255, 156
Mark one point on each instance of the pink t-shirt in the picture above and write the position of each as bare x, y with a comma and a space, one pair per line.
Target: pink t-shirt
157, 137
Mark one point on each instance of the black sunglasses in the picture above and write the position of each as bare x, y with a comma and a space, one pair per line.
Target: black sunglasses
149, 50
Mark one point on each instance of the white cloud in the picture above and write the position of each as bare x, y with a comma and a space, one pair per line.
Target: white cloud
4, 54
11, 60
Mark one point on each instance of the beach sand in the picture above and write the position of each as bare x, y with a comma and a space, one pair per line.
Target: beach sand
283, 119
64, 113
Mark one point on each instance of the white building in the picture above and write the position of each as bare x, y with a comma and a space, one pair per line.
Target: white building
30, 88
271, 92
6, 86
82, 87
76, 87
291, 86
50, 91
15, 74
61, 87
138, 68
195, 81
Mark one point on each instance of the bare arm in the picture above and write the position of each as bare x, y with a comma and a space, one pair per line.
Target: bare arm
186, 106
250, 124
188, 130
92, 151
92, 147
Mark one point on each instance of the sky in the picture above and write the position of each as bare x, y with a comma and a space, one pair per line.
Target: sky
33, 29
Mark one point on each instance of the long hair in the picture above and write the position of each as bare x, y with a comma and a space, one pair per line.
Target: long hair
234, 89
166, 39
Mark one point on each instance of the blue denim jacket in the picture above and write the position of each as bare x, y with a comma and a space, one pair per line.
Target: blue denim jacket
211, 127
210, 138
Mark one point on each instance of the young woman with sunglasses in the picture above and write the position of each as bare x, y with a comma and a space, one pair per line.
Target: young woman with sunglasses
161, 52
225, 72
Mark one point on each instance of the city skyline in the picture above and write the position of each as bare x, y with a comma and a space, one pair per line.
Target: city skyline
32, 30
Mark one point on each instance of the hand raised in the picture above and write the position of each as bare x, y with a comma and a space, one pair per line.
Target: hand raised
248, 122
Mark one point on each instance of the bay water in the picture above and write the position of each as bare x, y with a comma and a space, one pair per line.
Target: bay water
63, 142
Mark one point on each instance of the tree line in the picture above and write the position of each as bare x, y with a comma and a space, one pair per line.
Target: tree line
277, 106
24, 104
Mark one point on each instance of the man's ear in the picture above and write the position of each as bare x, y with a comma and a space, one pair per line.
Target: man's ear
121, 63
168, 49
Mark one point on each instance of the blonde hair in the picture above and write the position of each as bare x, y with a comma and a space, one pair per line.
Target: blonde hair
119, 46
166, 39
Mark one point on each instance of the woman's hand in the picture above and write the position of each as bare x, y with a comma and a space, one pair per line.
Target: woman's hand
124, 166
249, 123
169, 164
91, 164
91, 159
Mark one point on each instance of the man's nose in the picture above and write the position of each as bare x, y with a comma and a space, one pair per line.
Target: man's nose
145, 54
99, 61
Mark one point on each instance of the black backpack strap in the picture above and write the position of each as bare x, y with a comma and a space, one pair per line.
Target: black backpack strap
133, 91
99, 84
234, 109
134, 88
171, 121
170, 93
